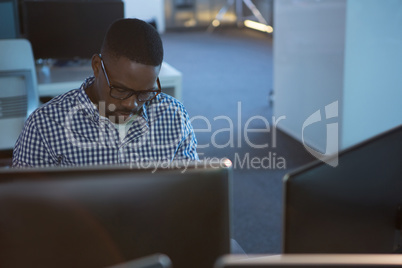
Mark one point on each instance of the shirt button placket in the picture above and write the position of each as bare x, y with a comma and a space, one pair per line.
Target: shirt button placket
121, 155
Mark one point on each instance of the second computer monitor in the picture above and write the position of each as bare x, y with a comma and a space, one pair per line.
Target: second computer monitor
352, 208
68, 29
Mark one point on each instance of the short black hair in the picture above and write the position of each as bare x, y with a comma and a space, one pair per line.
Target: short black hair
134, 39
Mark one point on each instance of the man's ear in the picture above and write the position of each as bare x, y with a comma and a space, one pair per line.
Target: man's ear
96, 64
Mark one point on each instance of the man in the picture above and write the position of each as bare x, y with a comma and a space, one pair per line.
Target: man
118, 116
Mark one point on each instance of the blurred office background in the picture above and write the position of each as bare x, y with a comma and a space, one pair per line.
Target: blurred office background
344, 53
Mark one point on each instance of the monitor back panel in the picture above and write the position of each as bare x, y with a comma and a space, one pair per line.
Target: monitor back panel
348, 209
89, 218
68, 29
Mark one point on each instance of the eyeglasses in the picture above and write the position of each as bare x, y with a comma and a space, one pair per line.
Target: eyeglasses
122, 94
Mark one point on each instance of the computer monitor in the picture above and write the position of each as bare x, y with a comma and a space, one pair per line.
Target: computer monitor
103, 216
68, 29
311, 261
352, 208
9, 19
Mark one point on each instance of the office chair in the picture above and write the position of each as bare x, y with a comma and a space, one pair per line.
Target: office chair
18, 88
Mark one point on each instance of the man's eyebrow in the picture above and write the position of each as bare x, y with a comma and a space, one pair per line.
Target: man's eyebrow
118, 85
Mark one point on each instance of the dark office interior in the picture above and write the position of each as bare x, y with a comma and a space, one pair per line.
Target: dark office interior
288, 91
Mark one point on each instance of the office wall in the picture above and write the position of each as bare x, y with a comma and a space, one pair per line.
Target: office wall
309, 39
373, 69
349, 51
146, 10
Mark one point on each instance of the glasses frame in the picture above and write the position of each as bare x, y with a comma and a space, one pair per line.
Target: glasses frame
133, 92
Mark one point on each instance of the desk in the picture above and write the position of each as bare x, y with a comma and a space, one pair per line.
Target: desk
54, 80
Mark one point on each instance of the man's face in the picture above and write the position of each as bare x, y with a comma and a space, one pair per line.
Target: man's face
122, 74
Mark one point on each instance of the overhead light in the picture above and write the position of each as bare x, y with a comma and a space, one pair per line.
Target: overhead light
258, 26
216, 23
190, 23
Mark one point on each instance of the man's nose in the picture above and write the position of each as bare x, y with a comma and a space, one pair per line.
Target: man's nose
131, 103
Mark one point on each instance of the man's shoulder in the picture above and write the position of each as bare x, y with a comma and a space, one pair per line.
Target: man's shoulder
58, 105
165, 108
66, 98
168, 98
165, 100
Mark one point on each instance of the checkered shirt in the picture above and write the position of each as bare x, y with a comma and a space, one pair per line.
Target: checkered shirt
68, 131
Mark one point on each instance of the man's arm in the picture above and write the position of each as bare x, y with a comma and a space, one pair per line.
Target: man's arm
30, 149
187, 148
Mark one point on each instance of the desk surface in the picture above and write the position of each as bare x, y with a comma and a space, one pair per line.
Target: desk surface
55, 80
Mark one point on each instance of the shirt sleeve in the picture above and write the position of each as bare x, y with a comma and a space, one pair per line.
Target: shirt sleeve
30, 149
187, 148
